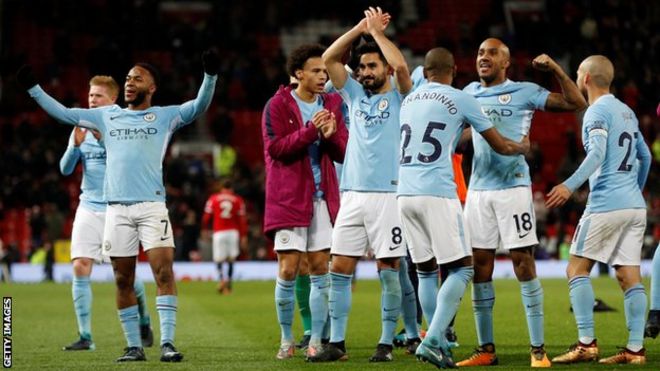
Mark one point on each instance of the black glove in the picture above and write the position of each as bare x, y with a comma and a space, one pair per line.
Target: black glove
25, 77
211, 62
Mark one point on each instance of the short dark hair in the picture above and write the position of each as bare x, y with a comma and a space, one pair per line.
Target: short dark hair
370, 47
300, 55
226, 183
152, 71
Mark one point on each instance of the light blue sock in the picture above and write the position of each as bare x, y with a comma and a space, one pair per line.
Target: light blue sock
326, 329
532, 299
483, 301
655, 280
428, 293
449, 298
339, 305
408, 302
390, 303
81, 291
634, 303
166, 305
141, 296
284, 304
129, 323
318, 305
582, 301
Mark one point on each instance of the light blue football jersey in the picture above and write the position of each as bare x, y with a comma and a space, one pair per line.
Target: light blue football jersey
614, 185
432, 119
510, 107
307, 112
92, 156
135, 141
329, 88
371, 163
417, 77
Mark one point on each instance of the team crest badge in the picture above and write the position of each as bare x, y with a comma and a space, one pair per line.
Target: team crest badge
383, 104
149, 117
504, 99
284, 238
106, 245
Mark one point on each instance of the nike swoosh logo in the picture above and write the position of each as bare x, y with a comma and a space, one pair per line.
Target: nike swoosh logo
390, 310
113, 117
533, 305
164, 238
394, 248
523, 235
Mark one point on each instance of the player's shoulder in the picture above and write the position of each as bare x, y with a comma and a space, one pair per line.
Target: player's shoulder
531, 88
523, 85
353, 87
471, 88
163, 109
113, 108
281, 96
604, 104
599, 113
465, 100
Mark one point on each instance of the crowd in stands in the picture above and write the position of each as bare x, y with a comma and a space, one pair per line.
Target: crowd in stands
68, 42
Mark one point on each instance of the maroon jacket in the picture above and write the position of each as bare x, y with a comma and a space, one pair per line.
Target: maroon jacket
289, 179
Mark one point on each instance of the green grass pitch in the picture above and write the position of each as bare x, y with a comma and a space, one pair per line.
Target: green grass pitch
240, 331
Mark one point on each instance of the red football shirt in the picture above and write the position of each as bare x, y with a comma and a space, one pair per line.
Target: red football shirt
228, 212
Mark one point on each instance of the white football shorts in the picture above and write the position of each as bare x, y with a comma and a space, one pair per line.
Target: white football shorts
504, 216
316, 237
613, 237
368, 220
434, 228
128, 225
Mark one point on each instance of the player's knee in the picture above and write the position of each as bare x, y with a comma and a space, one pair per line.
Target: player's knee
82, 267
124, 281
164, 276
524, 267
319, 270
525, 272
343, 264
287, 273
388, 263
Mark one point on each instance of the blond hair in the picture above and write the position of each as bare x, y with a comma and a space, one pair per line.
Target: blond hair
108, 82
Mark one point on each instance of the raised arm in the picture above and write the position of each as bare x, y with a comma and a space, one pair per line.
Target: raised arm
72, 154
376, 25
71, 116
332, 57
570, 98
191, 110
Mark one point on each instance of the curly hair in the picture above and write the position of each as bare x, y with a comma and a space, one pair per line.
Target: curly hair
300, 55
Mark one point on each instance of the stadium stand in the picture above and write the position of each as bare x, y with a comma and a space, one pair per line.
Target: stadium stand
67, 42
